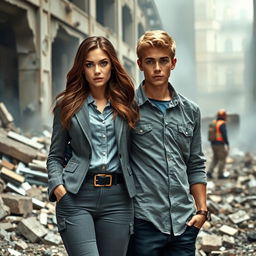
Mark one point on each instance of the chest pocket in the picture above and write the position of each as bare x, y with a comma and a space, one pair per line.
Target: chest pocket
182, 135
185, 130
142, 135
184, 138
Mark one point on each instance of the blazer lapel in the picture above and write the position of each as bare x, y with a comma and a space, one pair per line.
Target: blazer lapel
82, 117
119, 125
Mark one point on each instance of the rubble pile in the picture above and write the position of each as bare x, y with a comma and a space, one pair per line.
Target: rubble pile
232, 202
28, 223
27, 219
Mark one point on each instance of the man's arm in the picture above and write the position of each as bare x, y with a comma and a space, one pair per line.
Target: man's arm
224, 133
197, 175
199, 193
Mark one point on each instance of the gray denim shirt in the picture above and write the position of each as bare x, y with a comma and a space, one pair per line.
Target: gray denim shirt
166, 159
104, 146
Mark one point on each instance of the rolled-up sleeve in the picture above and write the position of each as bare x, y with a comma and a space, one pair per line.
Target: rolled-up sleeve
196, 163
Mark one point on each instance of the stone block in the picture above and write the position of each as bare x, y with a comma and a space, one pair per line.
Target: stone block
18, 204
31, 229
228, 230
210, 243
52, 239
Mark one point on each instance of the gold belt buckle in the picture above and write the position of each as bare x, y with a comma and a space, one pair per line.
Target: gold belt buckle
95, 180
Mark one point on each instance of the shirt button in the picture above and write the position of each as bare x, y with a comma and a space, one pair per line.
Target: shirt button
103, 135
103, 167
186, 133
141, 131
103, 153
103, 121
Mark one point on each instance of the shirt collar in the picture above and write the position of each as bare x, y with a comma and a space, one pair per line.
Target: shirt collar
90, 100
142, 98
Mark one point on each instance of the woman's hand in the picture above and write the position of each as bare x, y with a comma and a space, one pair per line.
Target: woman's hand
59, 192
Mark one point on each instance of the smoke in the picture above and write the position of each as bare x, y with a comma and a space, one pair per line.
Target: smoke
178, 20
236, 96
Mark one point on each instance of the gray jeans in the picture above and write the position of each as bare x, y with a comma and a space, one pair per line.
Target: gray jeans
96, 221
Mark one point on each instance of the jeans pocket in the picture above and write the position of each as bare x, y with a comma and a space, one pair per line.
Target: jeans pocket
194, 229
62, 198
61, 223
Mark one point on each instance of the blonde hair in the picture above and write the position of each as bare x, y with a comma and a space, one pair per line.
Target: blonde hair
156, 38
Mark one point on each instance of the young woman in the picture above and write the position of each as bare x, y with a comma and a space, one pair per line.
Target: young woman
94, 186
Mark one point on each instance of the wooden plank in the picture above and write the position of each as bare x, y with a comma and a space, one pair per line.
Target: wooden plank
11, 176
7, 164
25, 140
38, 165
5, 115
16, 149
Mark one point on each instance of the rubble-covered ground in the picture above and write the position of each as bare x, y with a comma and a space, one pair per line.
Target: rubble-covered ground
27, 219
232, 202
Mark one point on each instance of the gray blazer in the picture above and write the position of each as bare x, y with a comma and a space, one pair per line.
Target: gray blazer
79, 136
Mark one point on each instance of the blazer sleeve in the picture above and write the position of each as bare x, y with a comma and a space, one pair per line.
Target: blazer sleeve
56, 157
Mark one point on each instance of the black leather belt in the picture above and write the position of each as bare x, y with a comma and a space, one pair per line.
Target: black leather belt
104, 179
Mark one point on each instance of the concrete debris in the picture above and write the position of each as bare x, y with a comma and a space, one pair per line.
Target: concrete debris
28, 223
232, 203
18, 204
27, 219
228, 230
228, 241
31, 229
211, 242
239, 217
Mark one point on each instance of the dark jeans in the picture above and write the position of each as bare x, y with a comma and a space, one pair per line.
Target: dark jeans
149, 241
96, 221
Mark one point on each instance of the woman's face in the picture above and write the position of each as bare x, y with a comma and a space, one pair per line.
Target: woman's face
97, 68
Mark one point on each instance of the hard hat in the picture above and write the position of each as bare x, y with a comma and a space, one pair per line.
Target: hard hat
222, 113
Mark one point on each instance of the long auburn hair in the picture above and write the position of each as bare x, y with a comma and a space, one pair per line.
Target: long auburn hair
120, 90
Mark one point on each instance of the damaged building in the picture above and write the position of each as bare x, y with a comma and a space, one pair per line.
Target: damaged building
40, 37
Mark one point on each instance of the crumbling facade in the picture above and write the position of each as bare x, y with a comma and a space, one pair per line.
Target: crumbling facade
223, 36
40, 37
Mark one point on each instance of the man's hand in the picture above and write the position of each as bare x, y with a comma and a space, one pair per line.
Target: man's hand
59, 192
197, 221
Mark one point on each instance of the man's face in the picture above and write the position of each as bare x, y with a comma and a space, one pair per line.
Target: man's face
156, 64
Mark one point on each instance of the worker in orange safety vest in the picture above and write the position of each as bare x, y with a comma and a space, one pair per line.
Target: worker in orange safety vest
220, 145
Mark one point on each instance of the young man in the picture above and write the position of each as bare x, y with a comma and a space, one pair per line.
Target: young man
166, 158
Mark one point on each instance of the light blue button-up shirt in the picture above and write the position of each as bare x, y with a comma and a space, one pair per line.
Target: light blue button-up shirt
166, 159
104, 146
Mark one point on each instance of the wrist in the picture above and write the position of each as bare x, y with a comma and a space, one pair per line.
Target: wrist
205, 213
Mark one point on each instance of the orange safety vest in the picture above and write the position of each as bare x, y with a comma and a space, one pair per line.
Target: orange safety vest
219, 136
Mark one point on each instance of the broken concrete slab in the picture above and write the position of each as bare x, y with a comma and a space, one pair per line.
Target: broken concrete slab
18, 204
31, 229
